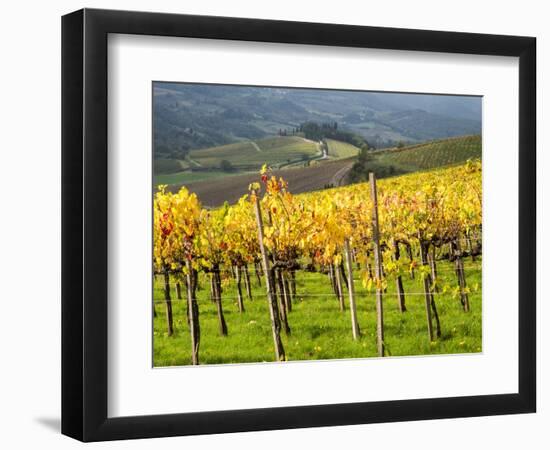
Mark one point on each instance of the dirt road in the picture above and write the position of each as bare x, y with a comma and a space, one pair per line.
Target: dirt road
339, 177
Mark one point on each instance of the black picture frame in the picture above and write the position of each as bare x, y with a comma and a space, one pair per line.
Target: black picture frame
84, 224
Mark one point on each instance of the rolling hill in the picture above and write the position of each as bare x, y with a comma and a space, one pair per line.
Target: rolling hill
431, 154
233, 159
340, 167
414, 158
190, 116
250, 155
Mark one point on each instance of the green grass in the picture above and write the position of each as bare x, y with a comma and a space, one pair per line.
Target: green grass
319, 329
245, 155
188, 177
432, 154
169, 166
339, 150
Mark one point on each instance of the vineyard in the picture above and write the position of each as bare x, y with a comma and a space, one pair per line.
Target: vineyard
381, 268
432, 154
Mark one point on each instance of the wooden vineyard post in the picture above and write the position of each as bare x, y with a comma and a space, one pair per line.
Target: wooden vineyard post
434, 290
247, 282
399, 281
459, 269
194, 326
278, 290
187, 316
257, 272
239, 289
351, 290
338, 275
287, 293
343, 272
272, 300
168, 301
212, 288
216, 290
377, 266
218, 279
427, 289
411, 259
332, 278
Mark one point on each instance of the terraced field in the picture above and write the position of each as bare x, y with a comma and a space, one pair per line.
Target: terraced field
432, 154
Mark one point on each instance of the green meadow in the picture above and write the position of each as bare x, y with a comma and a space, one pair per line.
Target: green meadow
319, 330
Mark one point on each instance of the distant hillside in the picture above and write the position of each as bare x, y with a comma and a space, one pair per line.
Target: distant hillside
194, 116
281, 152
341, 164
413, 158
247, 156
250, 155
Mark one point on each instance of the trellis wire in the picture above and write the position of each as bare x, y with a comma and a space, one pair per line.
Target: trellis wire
298, 296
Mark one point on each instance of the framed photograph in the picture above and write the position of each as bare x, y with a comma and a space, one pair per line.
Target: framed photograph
273, 225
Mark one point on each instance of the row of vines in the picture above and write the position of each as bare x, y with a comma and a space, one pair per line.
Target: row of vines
374, 233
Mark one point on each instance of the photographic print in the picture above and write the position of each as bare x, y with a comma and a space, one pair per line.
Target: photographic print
294, 224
